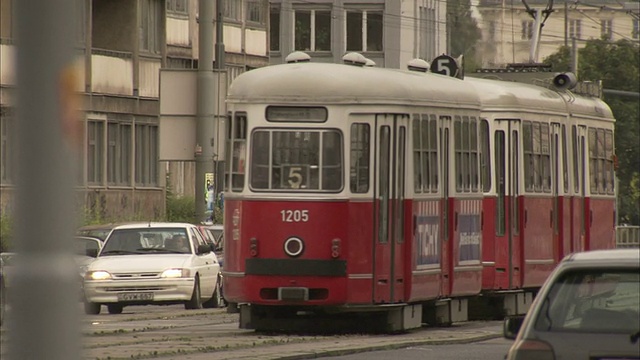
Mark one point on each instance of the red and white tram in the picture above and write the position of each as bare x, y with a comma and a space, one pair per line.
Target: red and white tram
403, 195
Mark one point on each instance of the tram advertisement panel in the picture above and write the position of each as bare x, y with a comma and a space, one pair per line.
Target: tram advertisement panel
427, 235
469, 232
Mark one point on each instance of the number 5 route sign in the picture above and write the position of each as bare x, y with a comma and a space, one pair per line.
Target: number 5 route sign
445, 65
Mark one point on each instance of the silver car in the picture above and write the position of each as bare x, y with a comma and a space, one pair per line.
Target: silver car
587, 309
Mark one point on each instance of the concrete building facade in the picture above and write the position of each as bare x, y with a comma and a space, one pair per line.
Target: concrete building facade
121, 46
507, 27
389, 32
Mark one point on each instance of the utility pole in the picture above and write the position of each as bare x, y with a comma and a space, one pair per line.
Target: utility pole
204, 153
566, 24
44, 321
221, 80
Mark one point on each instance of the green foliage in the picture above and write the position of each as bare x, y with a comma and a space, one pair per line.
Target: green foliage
464, 33
6, 232
617, 64
181, 209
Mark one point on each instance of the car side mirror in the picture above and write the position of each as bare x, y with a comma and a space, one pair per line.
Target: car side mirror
204, 249
511, 326
92, 252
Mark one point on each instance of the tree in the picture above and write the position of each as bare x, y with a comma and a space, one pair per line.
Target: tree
617, 65
463, 32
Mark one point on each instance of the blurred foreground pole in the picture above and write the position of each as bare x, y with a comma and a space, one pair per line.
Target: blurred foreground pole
44, 311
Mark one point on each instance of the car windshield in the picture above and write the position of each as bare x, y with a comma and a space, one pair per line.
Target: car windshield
147, 240
604, 301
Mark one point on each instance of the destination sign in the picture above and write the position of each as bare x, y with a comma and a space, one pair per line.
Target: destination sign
296, 114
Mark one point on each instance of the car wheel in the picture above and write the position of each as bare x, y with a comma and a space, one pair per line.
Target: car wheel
217, 300
91, 308
196, 300
115, 308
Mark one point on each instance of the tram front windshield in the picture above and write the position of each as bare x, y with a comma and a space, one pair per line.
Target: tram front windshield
296, 160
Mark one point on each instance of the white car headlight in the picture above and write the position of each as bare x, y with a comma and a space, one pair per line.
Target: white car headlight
175, 273
97, 275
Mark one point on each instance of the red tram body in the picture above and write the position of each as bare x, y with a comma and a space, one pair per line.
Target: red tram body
406, 194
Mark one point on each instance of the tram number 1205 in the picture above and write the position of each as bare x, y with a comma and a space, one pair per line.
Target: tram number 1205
294, 215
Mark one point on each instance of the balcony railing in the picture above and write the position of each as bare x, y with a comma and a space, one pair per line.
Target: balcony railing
111, 72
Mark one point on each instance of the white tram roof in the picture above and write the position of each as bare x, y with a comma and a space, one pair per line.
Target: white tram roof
589, 107
510, 95
323, 83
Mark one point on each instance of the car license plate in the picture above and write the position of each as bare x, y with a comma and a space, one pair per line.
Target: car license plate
135, 296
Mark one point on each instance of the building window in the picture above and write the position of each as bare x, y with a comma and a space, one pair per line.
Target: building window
6, 147
605, 29
313, 30
146, 155
80, 20
364, 30
274, 29
428, 33
95, 151
178, 6
575, 29
527, 30
255, 11
118, 154
232, 10
150, 20
636, 29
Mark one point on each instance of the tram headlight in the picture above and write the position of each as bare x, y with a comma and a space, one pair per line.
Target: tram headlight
335, 248
293, 246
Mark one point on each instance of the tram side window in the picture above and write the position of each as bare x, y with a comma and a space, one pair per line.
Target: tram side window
485, 156
425, 155
359, 172
601, 161
238, 150
537, 156
565, 164
574, 148
609, 168
466, 145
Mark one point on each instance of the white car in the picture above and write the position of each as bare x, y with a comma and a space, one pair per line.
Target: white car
146, 263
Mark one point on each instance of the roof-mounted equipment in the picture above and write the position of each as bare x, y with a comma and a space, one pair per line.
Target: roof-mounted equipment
297, 57
418, 65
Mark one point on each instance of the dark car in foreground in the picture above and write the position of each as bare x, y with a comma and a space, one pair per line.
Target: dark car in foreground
587, 309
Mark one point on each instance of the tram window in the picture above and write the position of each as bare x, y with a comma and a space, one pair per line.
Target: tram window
485, 158
417, 153
593, 161
424, 149
331, 161
359, 174
473, 151
574, 147
297, 160
601, 160
457, 134
545, 157
466, 145
238, 151
565, 165
433, 153
425, 153
609, 171
537, 155
260, 160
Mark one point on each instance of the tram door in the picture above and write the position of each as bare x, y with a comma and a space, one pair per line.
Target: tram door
389, 212
446, 208
507, 214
